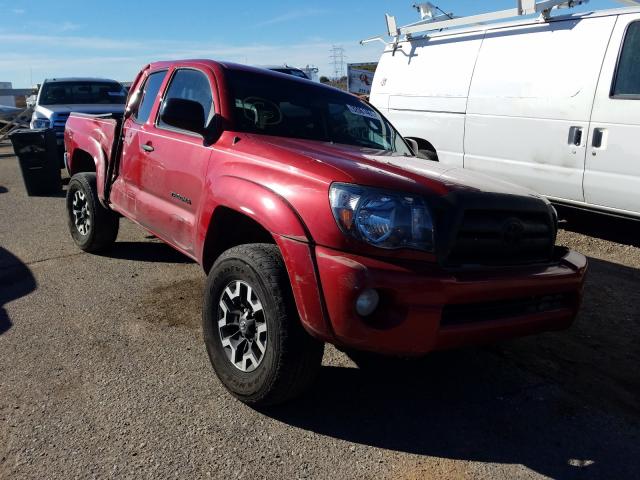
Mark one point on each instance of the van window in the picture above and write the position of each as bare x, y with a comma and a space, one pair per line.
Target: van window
193, 85
627, 82
149, 94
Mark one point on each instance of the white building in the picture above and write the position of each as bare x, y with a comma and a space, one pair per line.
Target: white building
8, 101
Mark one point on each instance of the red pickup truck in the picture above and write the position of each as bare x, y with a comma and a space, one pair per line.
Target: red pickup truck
315, 222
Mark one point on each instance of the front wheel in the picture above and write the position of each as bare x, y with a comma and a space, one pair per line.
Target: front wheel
254, 338
93, 227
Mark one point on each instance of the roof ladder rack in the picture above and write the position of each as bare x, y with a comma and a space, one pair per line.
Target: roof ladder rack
434, 19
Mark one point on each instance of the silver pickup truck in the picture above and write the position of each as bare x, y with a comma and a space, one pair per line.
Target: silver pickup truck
58, 97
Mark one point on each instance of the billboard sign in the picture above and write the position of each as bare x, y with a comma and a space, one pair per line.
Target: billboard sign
360, 77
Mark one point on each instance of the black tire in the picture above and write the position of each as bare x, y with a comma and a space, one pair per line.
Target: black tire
291, 358
102, 229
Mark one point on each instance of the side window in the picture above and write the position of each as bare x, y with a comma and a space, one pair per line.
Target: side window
149, 94
193, 85
627, 81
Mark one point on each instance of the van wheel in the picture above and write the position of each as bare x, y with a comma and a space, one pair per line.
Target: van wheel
254, 338
93, 227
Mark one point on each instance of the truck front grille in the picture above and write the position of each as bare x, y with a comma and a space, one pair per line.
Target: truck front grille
462, 314
59, 121
501, 238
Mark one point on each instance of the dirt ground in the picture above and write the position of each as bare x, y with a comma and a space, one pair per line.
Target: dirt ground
103, 374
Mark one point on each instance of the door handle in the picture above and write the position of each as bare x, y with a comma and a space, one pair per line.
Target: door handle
147, 147
598, 137
575, 136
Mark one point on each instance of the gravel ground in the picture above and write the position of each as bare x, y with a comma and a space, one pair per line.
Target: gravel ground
103, 373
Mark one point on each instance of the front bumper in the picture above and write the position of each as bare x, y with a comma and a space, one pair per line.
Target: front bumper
424, 307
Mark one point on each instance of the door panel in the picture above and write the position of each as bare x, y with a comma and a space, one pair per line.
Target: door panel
175, 162
530, 102
612, 170
540, 154
172, 178
126, 187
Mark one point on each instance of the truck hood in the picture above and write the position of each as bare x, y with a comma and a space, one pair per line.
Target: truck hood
383, 169
48, 110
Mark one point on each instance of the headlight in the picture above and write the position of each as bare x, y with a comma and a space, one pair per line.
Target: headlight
384, 219
40, 123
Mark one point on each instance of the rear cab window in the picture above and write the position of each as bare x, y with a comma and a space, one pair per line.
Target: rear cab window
150, 91
626, 83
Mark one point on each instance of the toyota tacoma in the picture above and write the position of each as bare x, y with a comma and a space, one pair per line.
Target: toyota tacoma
315, 222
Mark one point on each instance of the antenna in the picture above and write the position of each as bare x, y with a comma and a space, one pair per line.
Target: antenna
337, 57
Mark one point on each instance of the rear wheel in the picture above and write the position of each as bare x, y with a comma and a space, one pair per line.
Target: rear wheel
93, 227
254, 338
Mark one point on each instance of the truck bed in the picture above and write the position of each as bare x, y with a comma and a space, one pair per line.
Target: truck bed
91, 136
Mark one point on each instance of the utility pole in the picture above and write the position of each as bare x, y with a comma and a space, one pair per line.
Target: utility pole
337, 57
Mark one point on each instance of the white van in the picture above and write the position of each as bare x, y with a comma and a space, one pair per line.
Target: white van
552, 104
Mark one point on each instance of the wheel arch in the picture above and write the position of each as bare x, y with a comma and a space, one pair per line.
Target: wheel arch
263, 216
239, 229
91, 160
81, 161
263, 210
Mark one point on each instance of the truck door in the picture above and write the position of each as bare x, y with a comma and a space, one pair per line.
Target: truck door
612, 171
125, 189
173, 170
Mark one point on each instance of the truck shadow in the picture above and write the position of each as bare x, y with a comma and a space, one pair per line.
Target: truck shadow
564, 404
613, 229
153, 251
16, 280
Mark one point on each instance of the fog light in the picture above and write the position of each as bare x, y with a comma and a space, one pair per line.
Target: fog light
367, 302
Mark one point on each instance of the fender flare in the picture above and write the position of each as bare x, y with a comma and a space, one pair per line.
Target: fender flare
263, 205
95, 151
277, 216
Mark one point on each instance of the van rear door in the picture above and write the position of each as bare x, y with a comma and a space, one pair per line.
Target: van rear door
612, 171
530, 103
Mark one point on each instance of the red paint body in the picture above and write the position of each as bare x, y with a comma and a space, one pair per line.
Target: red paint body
283, 185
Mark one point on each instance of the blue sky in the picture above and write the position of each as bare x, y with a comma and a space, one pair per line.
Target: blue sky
115, 38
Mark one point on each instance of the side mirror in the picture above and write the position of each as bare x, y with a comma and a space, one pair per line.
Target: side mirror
183, 114
132, 103
413, 145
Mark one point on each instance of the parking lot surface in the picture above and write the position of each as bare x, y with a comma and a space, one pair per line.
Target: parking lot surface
103, 373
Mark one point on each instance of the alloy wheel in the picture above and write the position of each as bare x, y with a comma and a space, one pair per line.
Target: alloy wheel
81, 213
242, 326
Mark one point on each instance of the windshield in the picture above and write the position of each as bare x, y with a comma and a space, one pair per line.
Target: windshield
57, 93
275, 106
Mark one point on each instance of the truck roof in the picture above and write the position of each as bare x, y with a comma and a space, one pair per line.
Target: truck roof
226, 66
527, 21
